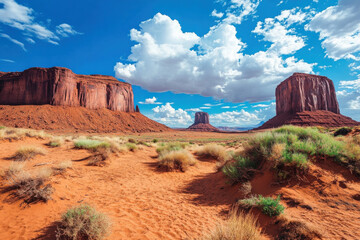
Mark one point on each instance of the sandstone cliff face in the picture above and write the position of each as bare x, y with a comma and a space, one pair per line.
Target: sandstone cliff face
61, 87
202, 123
305, 92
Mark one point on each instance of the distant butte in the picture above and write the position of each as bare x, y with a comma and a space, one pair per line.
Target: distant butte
202, 123
307, 100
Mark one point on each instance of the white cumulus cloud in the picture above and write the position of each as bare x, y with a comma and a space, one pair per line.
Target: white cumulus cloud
22, 18
152, 100
339, 29
170, 116
165, 58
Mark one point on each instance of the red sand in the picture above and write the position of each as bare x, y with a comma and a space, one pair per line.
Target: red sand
144, 203
76, 119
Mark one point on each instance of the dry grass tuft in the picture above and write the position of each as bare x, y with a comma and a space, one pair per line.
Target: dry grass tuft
237, 227
20, 133
27, 153
215, 151
99, 158
56, 142
296, 230
176, 160
83, 222
61, 167
29, 188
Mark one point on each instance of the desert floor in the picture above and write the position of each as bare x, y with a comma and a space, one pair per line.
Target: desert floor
145, 203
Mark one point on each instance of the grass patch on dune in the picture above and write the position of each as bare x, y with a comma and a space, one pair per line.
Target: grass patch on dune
171, 146
290, 150
176, 160
92, 145
268, 205
27, 153
83, 222
238, 227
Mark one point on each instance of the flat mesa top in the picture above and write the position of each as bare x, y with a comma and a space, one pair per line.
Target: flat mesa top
89, 78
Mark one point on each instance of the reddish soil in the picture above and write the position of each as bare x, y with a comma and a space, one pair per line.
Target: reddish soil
76, 119
310, 118
144, 203
203, 127
327, 200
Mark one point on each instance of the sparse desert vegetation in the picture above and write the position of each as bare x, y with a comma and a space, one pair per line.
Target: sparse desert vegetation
83, 222
29, 187
176, 160
28, 152
267, 205
237, 227
62, 178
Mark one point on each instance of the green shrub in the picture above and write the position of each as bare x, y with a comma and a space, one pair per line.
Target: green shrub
268, 205
83, 222
155, 140
131, 146
172, 146
290, 149
239, 169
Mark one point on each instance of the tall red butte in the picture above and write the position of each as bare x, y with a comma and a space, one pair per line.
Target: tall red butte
307, 100
56, 98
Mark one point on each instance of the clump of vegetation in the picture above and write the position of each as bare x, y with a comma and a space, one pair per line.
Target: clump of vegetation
20, 133
131, 147
172, 146
27, 153
290, 150
83, 222
268, 205
56, 142
131, 140
155, 140
342, 131
215, 151
176, 160
61, 167
239, 169
92, 145
31, 189
99, 158
238, 227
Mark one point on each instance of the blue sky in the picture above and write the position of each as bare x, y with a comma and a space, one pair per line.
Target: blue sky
224, 57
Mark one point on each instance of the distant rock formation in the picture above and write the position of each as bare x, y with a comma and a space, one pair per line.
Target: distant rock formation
61, 87
307, 100
137, 109
202, 123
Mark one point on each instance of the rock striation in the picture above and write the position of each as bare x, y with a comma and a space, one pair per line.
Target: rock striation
307, 100
202, 123
61, 87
